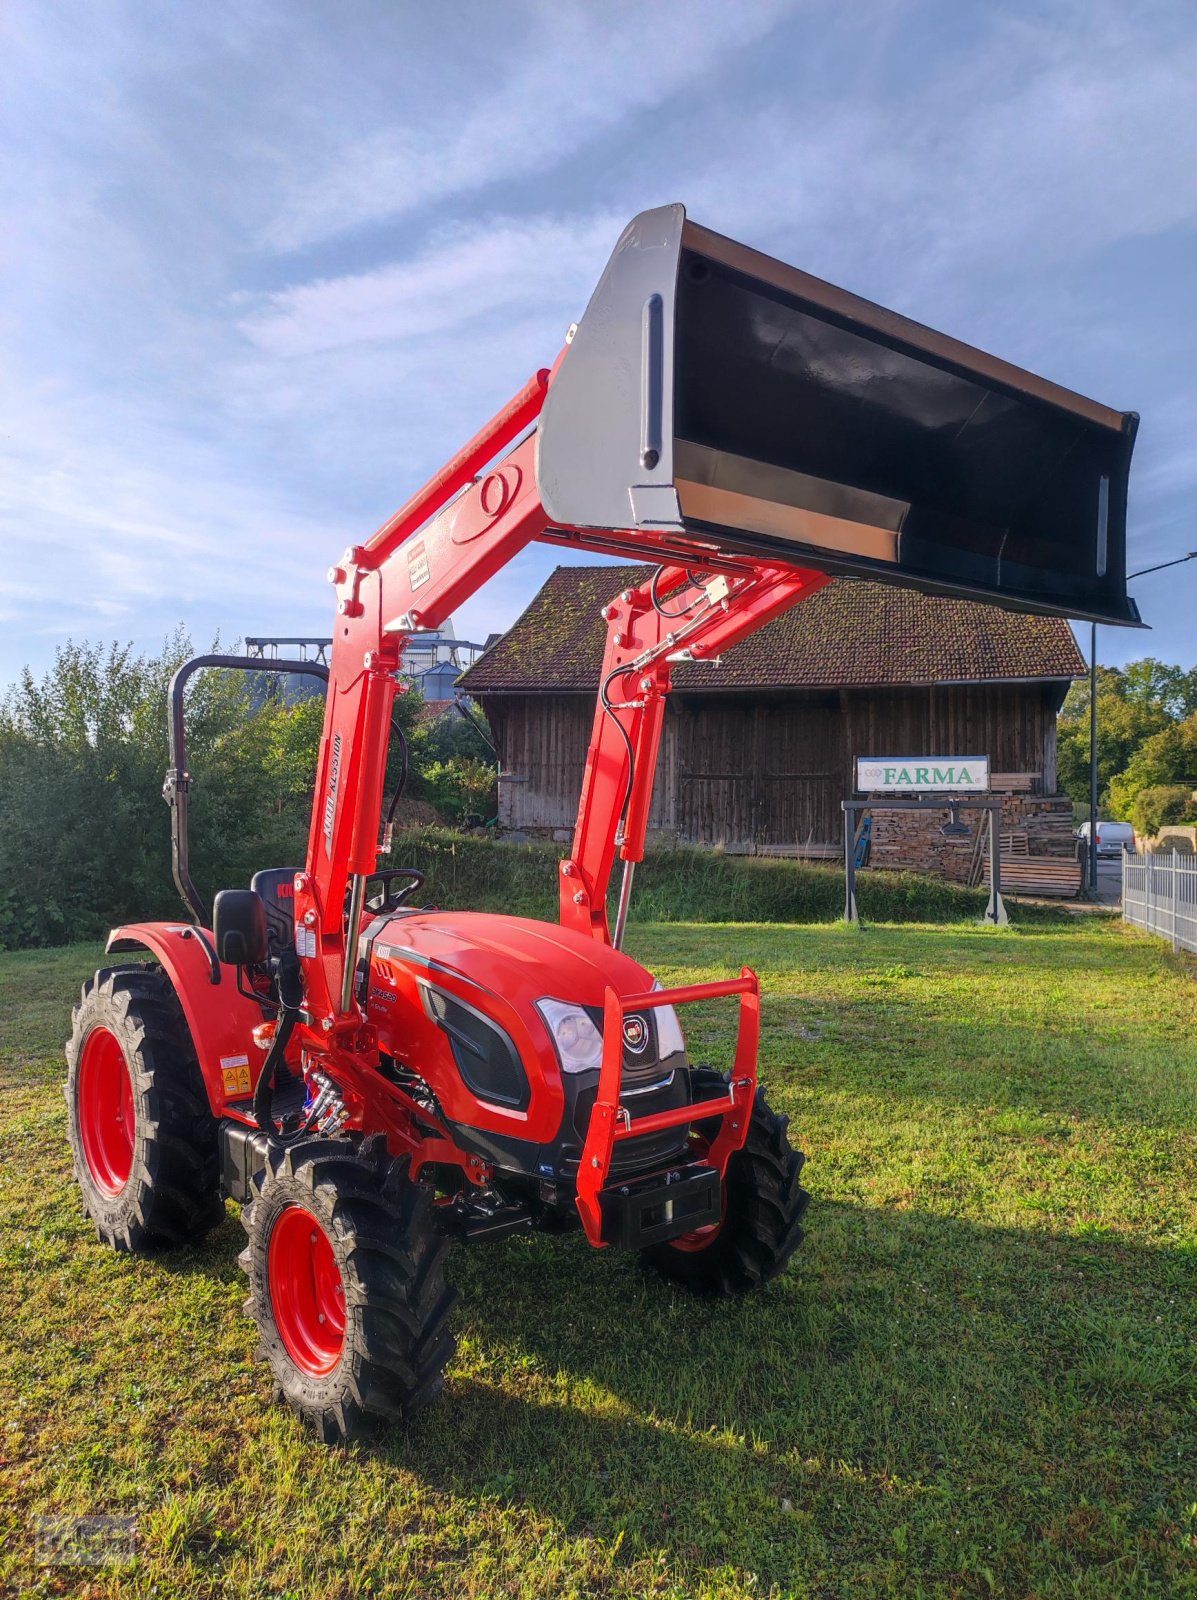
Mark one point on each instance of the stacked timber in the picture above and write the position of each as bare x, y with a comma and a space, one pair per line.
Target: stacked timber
1049, 876
1034, 827
913, 841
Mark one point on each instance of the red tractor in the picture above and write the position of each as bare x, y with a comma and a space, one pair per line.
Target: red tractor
372, 1079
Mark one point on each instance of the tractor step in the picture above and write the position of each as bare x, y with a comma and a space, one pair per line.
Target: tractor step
242, 1157
486, 1216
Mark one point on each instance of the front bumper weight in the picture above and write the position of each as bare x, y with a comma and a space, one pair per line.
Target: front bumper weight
661, 1207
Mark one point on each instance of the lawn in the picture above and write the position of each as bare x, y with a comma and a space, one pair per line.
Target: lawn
976, 1378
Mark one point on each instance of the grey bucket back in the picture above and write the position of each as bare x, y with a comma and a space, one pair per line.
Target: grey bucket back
713, 393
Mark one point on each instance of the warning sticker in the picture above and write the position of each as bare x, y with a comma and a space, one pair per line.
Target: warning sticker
235, 1071
418, 570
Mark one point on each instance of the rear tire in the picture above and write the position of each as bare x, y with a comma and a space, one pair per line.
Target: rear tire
763, 1205
347, 1286
141, 1129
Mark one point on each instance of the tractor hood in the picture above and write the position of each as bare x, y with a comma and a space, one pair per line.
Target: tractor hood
515, 957
727, 404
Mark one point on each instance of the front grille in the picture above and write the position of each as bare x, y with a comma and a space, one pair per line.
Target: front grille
639, 1066
648, 1150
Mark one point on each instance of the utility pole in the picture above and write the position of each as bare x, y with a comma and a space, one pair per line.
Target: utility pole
1093, 760
1142, 573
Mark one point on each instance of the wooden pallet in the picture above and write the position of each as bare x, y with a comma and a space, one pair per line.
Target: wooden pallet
1014, 782
1039, 875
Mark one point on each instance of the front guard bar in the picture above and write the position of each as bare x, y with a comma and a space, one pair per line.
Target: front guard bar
611, 1122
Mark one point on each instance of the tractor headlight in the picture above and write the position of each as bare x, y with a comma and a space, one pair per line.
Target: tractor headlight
579, 1043
669, 1030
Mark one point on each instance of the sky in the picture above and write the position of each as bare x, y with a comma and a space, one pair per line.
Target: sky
265, 266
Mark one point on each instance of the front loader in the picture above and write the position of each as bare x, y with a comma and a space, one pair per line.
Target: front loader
373, 1079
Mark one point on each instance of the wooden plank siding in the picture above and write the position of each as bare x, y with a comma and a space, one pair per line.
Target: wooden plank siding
754, 773
1013, 724
767, 770
542, 742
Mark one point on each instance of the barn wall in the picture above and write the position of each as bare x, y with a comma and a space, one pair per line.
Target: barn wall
766, 772
760, 773
1013, 724
542, 741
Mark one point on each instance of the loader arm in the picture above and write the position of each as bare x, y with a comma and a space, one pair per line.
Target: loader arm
670, 617
751, 431
416, 570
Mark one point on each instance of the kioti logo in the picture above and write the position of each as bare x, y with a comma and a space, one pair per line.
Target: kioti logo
635, 1034
330, 801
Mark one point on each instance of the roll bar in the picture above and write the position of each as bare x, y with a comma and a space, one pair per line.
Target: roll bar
177, 783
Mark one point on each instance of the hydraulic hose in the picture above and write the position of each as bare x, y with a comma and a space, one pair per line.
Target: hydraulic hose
289, 979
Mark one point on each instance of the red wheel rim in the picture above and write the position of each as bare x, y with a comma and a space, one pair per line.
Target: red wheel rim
307, 1295
703, 1238
700, 1239
106, 1116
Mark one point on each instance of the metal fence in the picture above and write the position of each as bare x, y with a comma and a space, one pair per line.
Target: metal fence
1159, 893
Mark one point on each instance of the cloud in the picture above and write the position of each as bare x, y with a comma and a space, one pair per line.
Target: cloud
565, 74
260, 276
464, 275
112, 523
1055, 139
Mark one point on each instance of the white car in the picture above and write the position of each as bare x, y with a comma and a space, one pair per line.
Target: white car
1112, 837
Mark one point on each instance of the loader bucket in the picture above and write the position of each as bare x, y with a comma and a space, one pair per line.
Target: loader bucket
719, 398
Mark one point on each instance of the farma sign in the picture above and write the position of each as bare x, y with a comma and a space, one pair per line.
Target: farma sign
922, 774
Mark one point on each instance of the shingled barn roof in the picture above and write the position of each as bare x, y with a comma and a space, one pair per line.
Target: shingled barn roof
853, 633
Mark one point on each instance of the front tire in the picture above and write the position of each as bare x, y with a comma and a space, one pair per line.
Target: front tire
141, 1130
346, 1268
763, 1206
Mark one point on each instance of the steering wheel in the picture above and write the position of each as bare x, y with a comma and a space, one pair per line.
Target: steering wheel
389, 899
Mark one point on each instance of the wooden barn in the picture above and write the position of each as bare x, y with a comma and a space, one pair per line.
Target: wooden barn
758, 752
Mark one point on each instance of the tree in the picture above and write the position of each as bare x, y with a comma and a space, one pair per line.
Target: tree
1163, 807
84, 834
1167, 758
1122, 726
1135, 704
1157, 683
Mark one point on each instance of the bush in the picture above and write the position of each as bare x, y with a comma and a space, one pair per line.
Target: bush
84, 834
1167, 759
463, 789
1165, 806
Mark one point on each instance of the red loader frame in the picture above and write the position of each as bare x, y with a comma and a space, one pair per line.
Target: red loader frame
740, 425
467, 522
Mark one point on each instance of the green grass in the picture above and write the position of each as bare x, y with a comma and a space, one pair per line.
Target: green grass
684, 883
977, 1378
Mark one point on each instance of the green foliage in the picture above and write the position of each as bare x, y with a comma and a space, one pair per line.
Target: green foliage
1123, 724
1165, 806
681, 884
84, 834
451, 761
1158, 683
1168, 757
456, 737
1135, 705
463, 789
